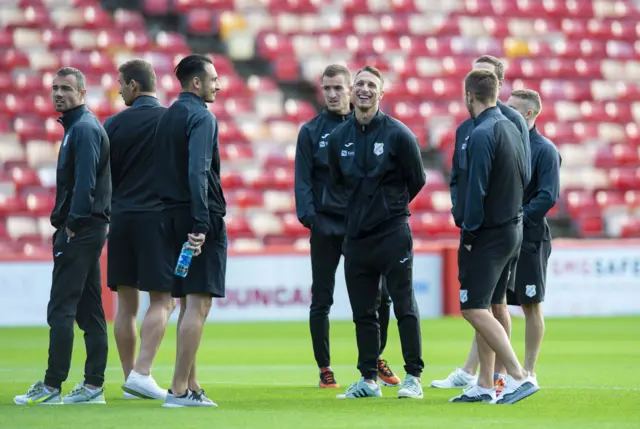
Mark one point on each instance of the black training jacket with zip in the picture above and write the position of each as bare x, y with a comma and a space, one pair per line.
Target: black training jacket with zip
380, 166
319, 204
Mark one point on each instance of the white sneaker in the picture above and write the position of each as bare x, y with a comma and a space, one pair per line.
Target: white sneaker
143, 386
189, 399
127, 395
457, 379
81, 394
361, 389
476, 394
515, 390
411, 388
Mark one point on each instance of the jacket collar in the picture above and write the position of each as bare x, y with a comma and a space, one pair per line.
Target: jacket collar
375, 121
487, 113
190, 96
145, 100
70, 117
337, 116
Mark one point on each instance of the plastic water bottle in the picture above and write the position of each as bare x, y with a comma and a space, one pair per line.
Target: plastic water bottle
184, 260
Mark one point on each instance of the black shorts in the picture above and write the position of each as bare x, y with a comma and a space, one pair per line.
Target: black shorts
207, 271
135, 255
486, 271
531, 275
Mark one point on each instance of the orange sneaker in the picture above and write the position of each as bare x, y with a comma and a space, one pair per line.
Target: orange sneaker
499, 385
327, 379
385, 375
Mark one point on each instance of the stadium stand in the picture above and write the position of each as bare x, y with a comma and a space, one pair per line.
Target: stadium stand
582, 56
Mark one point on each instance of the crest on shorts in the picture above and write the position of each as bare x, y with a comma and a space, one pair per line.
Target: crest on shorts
378, 148
530, 290
463, 296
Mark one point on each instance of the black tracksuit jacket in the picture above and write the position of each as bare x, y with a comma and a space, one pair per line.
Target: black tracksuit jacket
380, 166
318, 203
83, 175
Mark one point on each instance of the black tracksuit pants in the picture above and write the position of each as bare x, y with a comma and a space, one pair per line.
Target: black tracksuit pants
325, 257
386, 253
76, 295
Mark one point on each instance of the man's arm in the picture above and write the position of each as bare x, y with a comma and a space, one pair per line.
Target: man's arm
86, 141
453, 182
481, 153
548, 192
303, 184
522, 126
333, 159
201, 128
411, 161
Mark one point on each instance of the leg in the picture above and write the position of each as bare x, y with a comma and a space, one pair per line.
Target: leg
399, 275
499, 304
362, 286
530, 290
189, 336
495, 336
501, 313
153, 328
122, 277
325, 257
70, 272
91, 320
193, 380
124, 327
384, 314
534, 331
473, 361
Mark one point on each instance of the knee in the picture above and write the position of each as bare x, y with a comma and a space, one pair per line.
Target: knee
57, 319
163, 301
532, 310
472, 315
320, 307
499, 311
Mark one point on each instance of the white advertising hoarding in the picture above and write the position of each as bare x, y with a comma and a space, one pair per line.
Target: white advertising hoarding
278, 288
593, 281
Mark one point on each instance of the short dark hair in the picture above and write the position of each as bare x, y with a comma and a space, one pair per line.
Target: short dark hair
483, 84
336, 70
190, 67
374, 71
531, 96
141, 71
499, 65
68, 71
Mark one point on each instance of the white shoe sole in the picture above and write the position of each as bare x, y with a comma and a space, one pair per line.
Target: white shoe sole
517, 398
142, 392
42, 403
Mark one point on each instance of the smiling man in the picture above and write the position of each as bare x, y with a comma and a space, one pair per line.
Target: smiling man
377, 159
80, 217
321, 208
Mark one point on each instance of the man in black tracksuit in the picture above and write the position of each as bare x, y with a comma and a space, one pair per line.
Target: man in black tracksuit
321, 208
540, 196
466, 375
377, 159
136, 232
80, 217
187, 180
491, 236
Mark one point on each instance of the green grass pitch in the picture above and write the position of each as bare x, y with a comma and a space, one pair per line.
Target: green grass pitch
262, 375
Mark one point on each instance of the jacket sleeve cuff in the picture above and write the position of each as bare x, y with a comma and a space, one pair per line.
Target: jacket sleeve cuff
468, 238
200, 228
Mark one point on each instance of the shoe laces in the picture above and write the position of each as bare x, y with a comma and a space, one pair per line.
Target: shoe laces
411, 383
78, 390
328, 377
383, 367
35, 389
196, 396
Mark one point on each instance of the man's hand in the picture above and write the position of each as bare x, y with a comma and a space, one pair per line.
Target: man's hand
195, 242
70, 233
